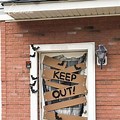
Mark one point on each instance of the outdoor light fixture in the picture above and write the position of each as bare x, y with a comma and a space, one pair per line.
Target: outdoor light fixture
101, 55
28, 64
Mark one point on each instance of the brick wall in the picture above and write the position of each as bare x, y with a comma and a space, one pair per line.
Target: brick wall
3, 70
16, 38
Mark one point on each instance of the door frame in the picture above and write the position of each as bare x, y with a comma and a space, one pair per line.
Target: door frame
45, 48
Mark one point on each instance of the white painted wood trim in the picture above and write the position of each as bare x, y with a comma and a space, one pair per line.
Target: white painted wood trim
90, 47
47, 6
33, 96
91, 82
13, 20
5, 16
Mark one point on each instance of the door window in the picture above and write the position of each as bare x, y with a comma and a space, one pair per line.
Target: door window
64, 85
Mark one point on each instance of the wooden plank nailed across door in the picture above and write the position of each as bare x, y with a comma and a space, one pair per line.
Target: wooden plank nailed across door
65, 92
51, 116
66, 88
65, 104
55, 63
75, 68
64, 76
55, 85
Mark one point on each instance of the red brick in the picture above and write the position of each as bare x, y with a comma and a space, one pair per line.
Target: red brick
16, 38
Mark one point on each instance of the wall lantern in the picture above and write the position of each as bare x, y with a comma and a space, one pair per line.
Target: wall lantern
28, 64
101, 55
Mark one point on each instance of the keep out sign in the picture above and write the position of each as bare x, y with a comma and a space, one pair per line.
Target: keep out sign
63, 88
64, 76
61, 93
65, 92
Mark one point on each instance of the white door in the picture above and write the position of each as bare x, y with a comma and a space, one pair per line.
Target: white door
66, 82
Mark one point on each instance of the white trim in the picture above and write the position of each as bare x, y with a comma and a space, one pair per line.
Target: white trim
13, 20
33, 96
28, 7
91, 82
0, 81
43, 10
90, 47
4, 16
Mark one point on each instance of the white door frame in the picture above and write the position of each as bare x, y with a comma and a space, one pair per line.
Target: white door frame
89, 47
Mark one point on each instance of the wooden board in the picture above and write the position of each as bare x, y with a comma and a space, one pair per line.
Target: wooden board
51, 116
55, 85
54, 63
64, 76
65, 92
65, 104
75, 68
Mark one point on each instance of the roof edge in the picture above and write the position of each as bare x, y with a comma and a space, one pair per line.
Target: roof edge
25, 1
